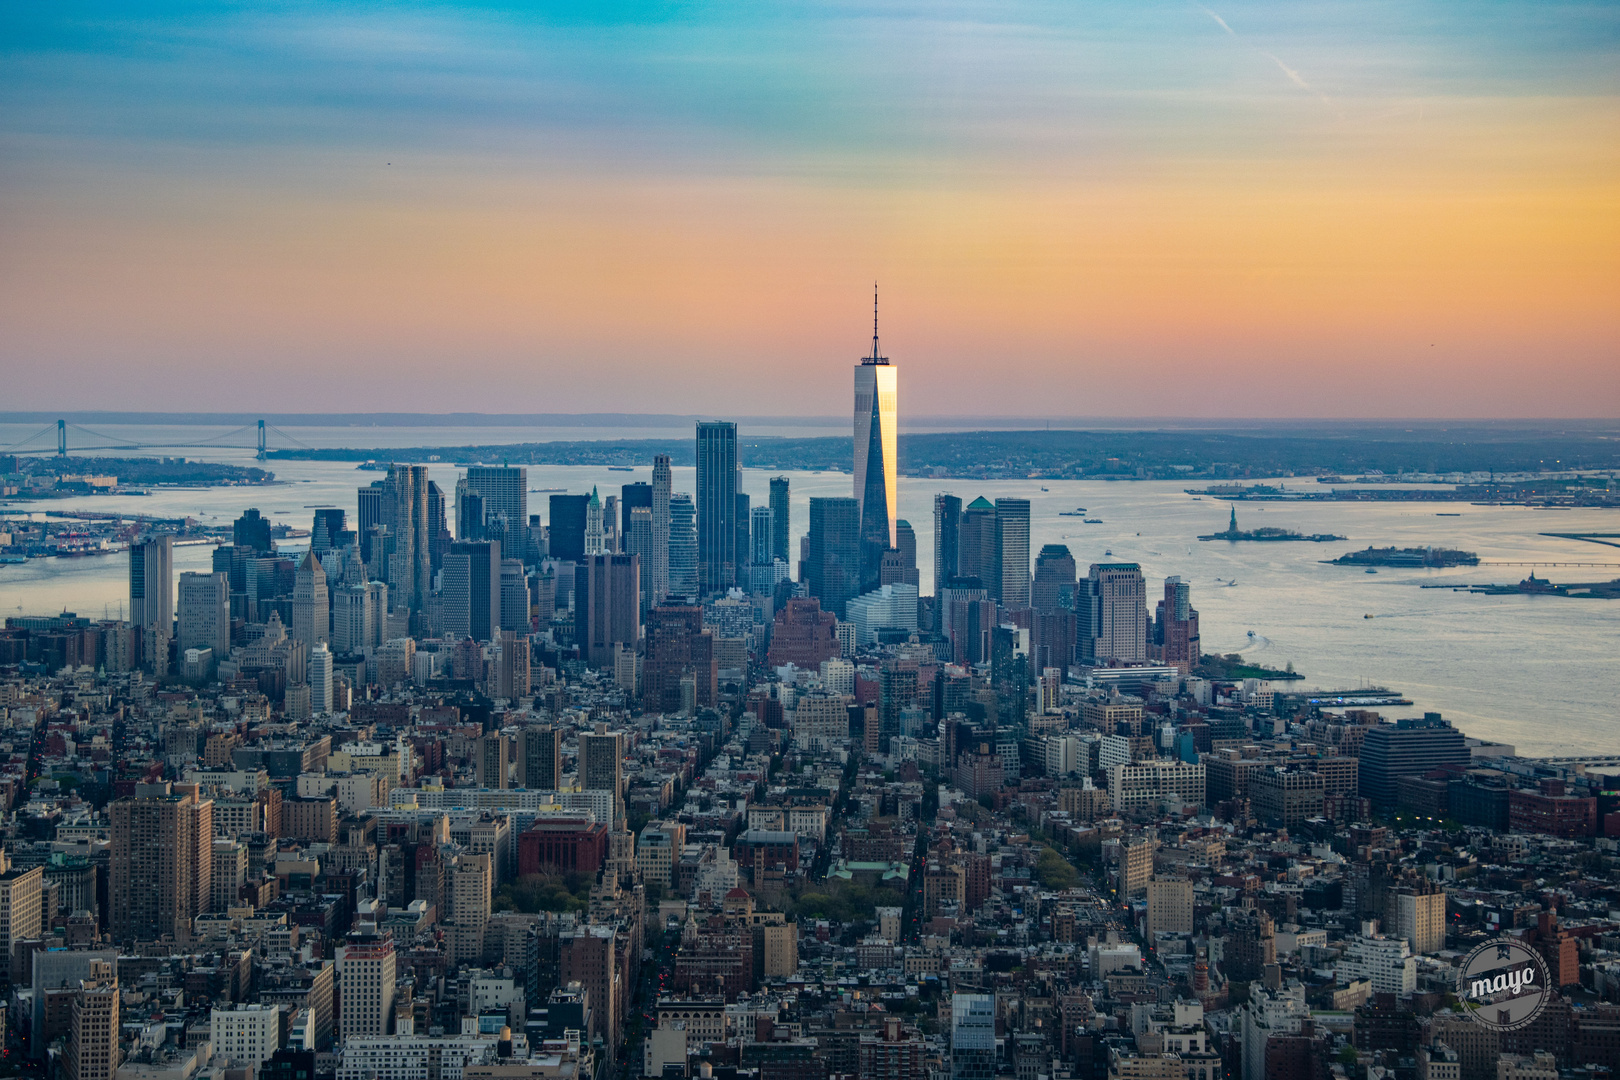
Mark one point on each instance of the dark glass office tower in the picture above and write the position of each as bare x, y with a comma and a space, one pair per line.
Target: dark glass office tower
326, 532
472, 589
368, 514
834, 565
780, 521
568, 527
947, 538
630, 497
976, 543
741, 547
252, 530
716, 505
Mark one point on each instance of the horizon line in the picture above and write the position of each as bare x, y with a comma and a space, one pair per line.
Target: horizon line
399, 418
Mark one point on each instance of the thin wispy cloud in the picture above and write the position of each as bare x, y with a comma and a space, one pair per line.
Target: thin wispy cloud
1293, 75
1218, 20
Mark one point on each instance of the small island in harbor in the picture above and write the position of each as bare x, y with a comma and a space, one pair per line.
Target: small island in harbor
1232, 532
1420, 557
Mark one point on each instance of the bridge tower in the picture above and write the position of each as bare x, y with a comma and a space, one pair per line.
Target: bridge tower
61, 438
261, 440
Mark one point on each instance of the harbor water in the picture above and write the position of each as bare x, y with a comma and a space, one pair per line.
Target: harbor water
1539, 672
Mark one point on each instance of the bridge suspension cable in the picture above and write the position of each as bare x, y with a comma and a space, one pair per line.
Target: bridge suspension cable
48, 429
301, 444
116, 443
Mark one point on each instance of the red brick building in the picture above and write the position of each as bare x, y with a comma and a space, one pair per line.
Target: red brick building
553, 847
804, 635
1551, 812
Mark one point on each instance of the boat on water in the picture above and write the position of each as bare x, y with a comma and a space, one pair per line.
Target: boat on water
544, 490
1370, 570
1092, 521
1043, 489
1366, 616
632, 468
1109, 552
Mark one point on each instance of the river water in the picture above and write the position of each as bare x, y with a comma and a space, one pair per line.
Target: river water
1539, 672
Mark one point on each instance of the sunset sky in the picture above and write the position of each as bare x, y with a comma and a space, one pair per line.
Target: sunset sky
1142, 208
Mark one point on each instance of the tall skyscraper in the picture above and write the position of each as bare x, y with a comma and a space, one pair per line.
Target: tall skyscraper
781, 519
877, 488
834, 566
1011, 580
540, 758
320, 679
352, 615
683, 547
587, 956
743, 544
610, 524
1176, 628
601, 764
205, 613
595, 526
472, 589
568, 527
471, 885
505, 493
327, 530
161, 863
492, 755
469, 511
1052, 598
438, 530
405, 512
92, 1046
1055, 572
631, 496
151, 584
514, 597
311, 609
379, 612
638, 541
716, 505
252, 530
678, 649
662, 489
899, 565
367, 968
511, 671
762, 536
1087, 618
368, 515
610, 615
976, 543
21, 910
947, 539
1120, 593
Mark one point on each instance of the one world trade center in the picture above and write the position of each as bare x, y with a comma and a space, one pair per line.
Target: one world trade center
877, 491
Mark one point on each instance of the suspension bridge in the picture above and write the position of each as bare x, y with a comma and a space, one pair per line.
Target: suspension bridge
72, 438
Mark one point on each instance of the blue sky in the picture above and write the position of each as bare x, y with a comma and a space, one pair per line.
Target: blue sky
186, 143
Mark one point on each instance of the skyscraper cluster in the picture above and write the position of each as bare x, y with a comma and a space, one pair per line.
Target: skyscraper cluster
664, 590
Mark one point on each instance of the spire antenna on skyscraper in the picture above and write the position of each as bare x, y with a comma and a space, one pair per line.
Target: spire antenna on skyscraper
875, 358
